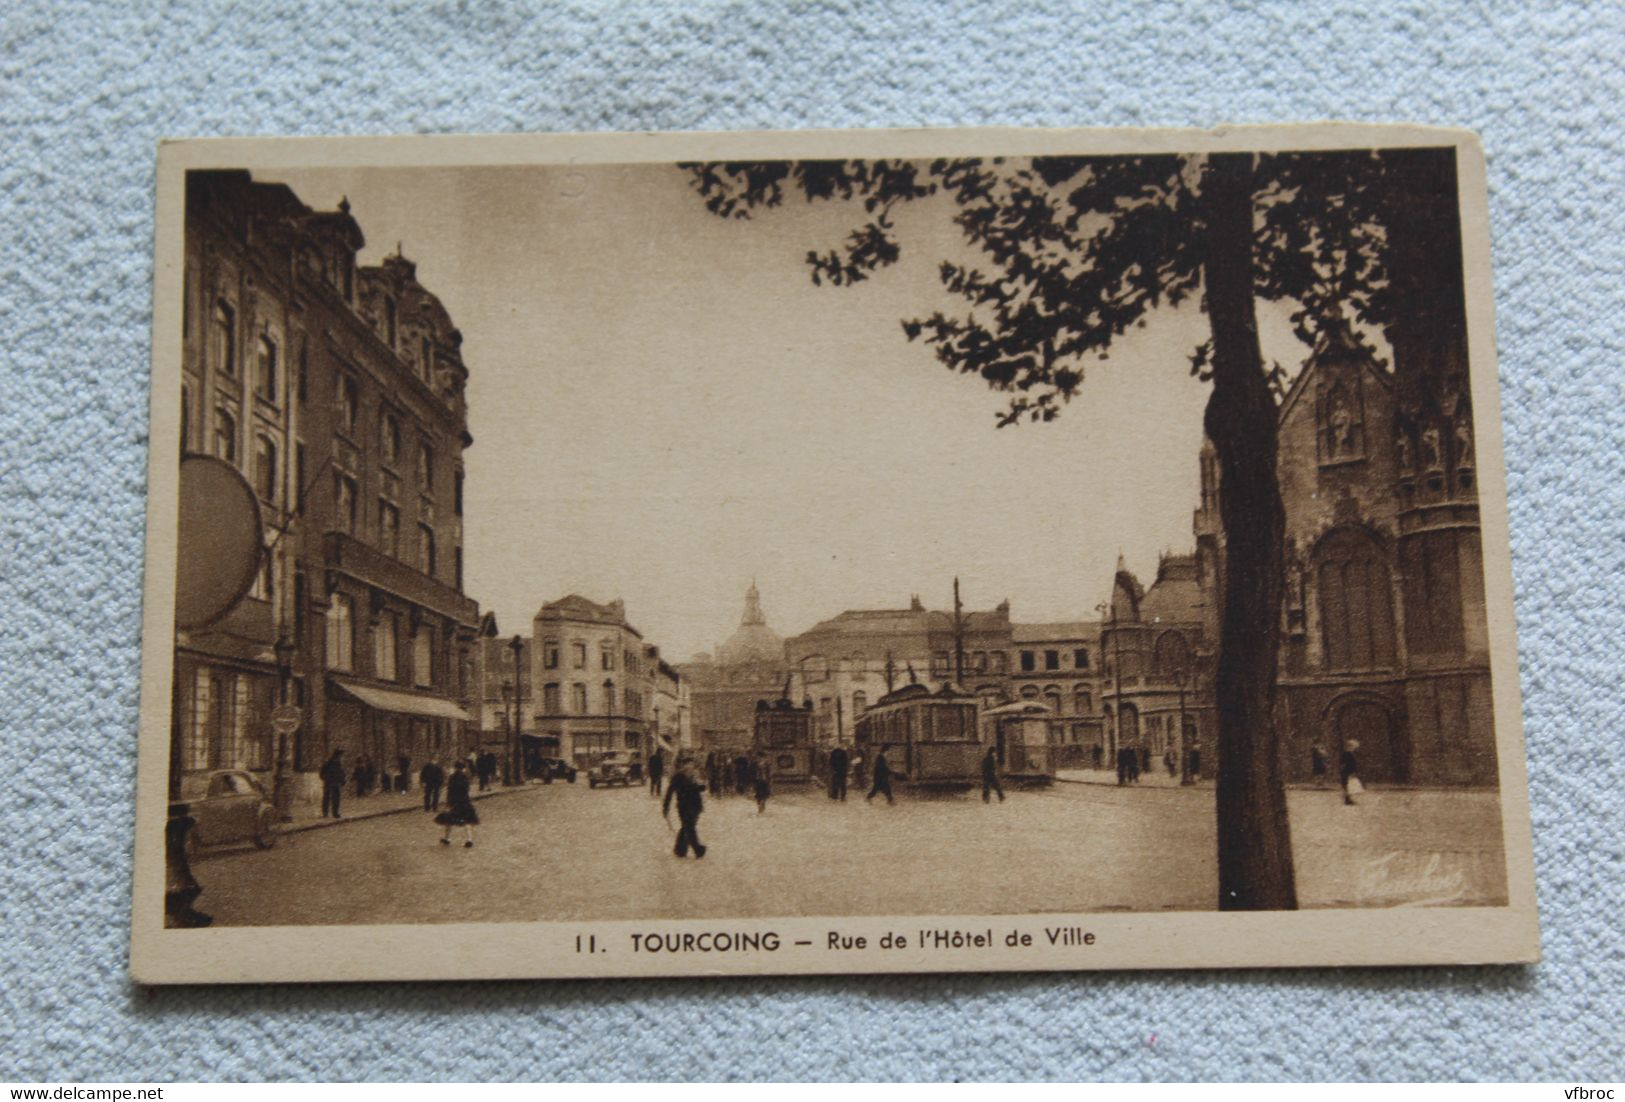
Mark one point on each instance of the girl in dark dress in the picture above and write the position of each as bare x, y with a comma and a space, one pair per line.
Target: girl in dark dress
459, 808
763, 779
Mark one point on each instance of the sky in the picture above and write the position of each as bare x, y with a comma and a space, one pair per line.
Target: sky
664, 409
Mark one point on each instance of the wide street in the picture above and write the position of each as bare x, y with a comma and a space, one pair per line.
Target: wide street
565, 852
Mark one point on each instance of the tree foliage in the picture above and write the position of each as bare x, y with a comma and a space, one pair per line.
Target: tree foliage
1075, 251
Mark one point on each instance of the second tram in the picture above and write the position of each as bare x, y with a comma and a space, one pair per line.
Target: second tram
784, 734
932, 736
1026, 741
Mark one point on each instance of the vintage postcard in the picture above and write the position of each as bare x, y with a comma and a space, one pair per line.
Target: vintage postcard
699, 554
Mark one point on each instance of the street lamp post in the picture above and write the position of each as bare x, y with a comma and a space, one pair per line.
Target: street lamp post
1182, 674
517, 645
281, 788
507, 732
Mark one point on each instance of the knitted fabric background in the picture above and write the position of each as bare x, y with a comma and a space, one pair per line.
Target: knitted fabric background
87, 89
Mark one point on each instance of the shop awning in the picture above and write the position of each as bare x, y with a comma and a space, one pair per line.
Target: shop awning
411, 704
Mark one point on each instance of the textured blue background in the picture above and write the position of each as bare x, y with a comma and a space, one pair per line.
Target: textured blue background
86, 90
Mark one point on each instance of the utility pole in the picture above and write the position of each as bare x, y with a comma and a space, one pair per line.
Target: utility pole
959, 638
891, 672
517, 645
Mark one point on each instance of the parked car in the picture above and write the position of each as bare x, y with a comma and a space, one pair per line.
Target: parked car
558, 769
231, 807
615, 767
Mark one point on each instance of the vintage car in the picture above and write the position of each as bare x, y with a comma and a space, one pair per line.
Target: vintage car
229, 805
557, 769
615, 767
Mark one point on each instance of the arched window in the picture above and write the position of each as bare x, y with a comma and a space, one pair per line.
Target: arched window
860, 703
390, 438
265, 468
265, 369
1056, 705
1082, 704
223, 338
1029, 692
425, 468
225, 436
1356, 602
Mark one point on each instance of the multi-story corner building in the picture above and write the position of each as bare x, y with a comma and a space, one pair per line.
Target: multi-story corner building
671, 718
1058, 665
1384, 630
725, 686
848, 662
1155, 691
595, 680
339, 392
505, 697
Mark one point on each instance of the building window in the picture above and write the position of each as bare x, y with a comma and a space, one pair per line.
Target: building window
550, 654
426, 468
578, 698
457, 493
426, 548
1082, 704
550, 698
265, 469
265, 370
223, 338
341, 633
422, 659
1001, 662
979, 661
1080, 659
1052, 660
1171, 656
1356, 606
578, 653
195, 726
1053, 699
606, 655
344, 499
1029, 692
383, 647
1028, 664
389, 438
457, 556
225, 436
349, 404
389, 529
939, 662
860, 703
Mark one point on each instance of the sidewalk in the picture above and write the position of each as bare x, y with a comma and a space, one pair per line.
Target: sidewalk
307, 814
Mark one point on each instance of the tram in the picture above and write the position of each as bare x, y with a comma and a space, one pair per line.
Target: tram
784, 734
1026, 740
933, 736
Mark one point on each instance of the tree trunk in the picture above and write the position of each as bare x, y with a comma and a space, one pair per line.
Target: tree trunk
1255, 844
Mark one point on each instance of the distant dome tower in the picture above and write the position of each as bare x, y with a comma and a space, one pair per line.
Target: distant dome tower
754, 641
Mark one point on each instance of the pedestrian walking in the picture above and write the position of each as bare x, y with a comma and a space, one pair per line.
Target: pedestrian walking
762, 779
741, 775
482, 771
1349, 771
882, 772
838, 765
332, 784
990, 776
431, 778
459, 807
685, 792
713, 783
1122, 766
1168, 761
657, 770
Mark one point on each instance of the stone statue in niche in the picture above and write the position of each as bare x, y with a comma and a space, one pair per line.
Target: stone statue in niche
1402, 452
1464, 443
1342, 426
1431, 457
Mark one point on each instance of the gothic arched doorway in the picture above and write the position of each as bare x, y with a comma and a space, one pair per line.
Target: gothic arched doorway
1370, 722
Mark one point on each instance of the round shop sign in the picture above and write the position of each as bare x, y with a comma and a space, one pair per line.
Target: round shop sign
285, 719
219, 543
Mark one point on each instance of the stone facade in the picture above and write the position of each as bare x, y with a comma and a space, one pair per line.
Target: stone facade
595, 680
726, 686
339, 392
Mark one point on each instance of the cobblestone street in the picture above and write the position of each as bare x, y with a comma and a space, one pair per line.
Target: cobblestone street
565, 852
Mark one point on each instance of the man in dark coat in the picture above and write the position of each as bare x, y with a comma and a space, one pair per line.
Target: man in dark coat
741, 775
1122, 765
990, 776
882, 772
690, 802
431, 777
332, 784
657, 770
839, 764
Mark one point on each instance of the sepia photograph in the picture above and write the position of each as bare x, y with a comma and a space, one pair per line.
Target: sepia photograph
826, 552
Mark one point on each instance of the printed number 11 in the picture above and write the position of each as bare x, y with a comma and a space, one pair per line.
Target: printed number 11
591, 946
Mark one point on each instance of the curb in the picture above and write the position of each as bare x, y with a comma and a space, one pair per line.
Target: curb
323, 824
